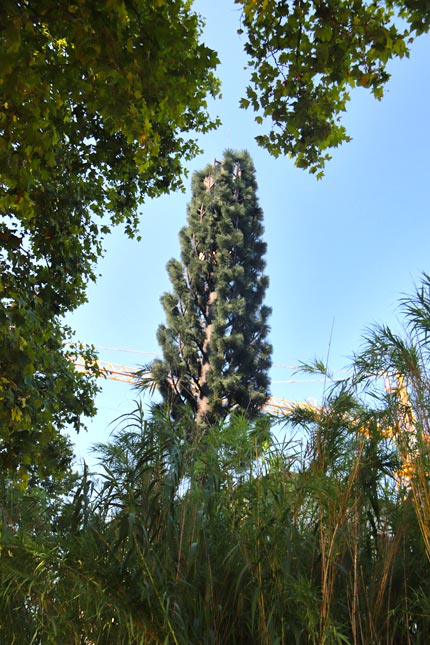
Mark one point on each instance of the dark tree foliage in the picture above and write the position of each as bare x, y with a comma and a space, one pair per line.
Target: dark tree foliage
215, 353
96, 100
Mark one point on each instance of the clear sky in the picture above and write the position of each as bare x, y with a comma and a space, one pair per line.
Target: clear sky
341, 251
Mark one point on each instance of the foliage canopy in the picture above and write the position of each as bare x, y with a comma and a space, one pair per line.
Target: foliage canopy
95, 100
306, 56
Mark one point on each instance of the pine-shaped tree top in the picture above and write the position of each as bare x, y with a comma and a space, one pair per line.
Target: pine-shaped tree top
215, 353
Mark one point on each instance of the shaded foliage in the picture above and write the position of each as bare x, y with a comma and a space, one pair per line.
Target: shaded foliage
232, 539
237, 536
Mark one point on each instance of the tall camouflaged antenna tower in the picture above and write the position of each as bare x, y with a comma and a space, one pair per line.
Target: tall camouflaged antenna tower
215, 353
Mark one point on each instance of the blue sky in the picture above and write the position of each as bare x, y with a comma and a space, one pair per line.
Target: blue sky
341, 251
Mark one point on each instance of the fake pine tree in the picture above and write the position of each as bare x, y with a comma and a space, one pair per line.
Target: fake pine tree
215, 353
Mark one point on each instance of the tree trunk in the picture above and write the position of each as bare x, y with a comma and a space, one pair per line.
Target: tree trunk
203, 405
